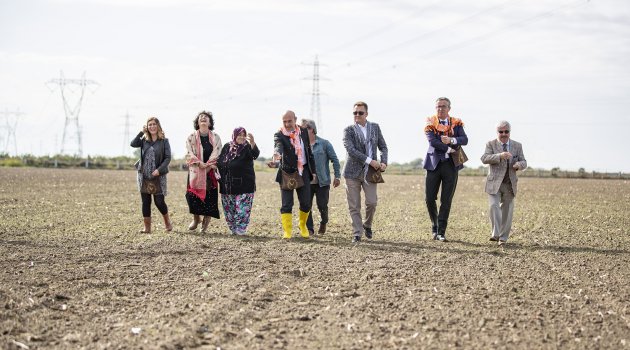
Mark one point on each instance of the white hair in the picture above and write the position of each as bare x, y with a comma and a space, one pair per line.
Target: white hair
504, 124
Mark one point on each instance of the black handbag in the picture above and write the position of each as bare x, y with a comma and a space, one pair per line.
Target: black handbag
291, 181
374, 175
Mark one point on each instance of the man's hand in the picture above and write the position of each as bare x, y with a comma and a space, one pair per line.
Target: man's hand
446, 140
383, 166
505, 155
336, 183
374, 164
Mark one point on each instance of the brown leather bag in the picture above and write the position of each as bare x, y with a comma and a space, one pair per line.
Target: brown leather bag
151, 186
291, 181
374, 176
459, 157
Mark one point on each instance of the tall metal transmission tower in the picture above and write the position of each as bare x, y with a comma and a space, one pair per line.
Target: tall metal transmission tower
10, 124
72, 128
125, 145
316, 113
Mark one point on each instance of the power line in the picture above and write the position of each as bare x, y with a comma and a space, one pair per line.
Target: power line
405, 43
380, 30
482, 37
72, 129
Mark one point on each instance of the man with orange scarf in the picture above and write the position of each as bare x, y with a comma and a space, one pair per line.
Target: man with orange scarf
292, 149
445, 134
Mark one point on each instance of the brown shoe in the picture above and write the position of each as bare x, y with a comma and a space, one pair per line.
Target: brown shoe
147, 225
322, 229
493, 239
193, 225
168, 225
204, 224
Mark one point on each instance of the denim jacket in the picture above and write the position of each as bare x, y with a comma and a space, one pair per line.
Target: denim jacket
324, 153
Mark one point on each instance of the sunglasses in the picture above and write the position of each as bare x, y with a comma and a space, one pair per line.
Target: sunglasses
503, 131
358, 113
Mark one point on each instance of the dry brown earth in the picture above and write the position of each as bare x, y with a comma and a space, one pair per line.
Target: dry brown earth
76, 274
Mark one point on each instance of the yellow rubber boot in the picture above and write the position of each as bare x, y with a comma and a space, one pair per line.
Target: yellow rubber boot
303, 229
287, 224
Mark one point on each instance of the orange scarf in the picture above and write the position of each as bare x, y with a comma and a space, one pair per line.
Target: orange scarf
433, 125
295, 137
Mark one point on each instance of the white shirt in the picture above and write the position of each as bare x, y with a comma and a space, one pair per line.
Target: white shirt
363, 129
453, 140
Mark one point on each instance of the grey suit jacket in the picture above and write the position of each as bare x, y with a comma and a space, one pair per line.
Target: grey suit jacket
498, 166
356, 153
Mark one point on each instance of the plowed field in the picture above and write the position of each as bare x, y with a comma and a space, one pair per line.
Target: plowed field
75, 272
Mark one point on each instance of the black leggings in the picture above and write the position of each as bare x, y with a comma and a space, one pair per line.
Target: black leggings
159, 203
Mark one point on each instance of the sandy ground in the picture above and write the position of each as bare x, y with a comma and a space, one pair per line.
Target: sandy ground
77, 274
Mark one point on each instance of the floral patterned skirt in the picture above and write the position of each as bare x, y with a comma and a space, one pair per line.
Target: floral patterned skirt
237, 209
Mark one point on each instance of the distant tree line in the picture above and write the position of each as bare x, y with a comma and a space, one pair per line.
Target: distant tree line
413, 167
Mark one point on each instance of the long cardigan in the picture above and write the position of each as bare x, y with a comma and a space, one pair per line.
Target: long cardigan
237, 175
162, 154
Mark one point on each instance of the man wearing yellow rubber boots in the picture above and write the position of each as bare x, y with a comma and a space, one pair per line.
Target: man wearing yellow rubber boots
293, 156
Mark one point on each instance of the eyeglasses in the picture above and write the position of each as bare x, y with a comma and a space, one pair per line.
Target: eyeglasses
441, 106
358, 113
503, 131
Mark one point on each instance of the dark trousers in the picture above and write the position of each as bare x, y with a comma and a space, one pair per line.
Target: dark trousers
446, 175
322, 194
159, 203
303, 193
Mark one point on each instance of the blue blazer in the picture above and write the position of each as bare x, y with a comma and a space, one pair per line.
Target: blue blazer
437, 149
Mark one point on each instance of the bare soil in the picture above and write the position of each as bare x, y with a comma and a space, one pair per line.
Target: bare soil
75, 273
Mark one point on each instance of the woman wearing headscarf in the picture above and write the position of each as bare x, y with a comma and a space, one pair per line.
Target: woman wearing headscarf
238, 179
203, 147
155, 156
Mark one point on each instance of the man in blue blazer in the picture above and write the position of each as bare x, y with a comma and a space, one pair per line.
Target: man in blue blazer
445, 134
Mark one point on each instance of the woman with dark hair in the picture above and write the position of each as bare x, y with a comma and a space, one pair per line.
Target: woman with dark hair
238, 179
203, 147
155, 156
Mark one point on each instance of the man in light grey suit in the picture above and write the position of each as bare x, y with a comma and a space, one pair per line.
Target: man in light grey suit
505, 157
361, 140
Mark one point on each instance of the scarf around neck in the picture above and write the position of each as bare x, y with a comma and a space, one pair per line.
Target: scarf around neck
295, 137
433, 125
197, 183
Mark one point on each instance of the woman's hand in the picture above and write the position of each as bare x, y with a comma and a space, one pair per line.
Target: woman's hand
155, 173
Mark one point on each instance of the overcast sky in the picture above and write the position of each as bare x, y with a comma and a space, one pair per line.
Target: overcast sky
557, 70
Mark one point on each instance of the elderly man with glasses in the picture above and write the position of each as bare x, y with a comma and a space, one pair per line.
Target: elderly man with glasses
361, 139
505, 157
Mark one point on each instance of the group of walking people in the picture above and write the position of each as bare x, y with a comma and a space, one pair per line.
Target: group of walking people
303, 161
